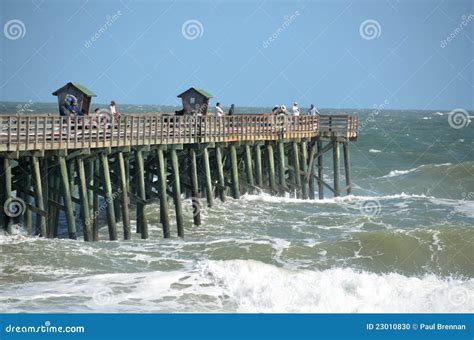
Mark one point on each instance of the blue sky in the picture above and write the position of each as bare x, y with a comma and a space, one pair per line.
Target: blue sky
318, 53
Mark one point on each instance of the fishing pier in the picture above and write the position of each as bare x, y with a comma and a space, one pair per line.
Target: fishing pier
86, 165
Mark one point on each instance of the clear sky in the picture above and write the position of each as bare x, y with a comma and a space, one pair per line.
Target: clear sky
339, 54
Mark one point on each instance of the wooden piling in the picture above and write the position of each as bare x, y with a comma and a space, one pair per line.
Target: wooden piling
56, 185
109, 197
177, 193
38, 189
207, 170
83, 194
335, 157
123, 180
304, 163
281, 165
220, 173
95, 201
45, 186
194, 188
258, 165
68, 204
7, 173
248, 167
141, 193
27, 184
347, 167
320, 170
271, 167
116, 187
163, 195
234, 172
310, 171
296, 167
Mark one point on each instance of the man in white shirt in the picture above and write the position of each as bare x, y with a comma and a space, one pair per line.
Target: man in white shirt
218, 112
295, 109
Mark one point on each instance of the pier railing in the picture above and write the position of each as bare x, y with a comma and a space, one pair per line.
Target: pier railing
52, 132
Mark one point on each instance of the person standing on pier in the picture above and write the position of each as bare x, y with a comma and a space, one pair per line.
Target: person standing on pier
313, 111
295, 109
113, 109
232, 110
218, 112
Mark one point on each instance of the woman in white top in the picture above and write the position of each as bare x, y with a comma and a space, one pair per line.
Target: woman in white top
295, 110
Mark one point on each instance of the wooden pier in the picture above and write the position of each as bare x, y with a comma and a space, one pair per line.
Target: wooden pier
104, 164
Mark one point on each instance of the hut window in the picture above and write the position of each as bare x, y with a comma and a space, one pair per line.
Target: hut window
192, 100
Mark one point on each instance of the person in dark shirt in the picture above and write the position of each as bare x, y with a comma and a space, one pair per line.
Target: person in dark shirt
232, 110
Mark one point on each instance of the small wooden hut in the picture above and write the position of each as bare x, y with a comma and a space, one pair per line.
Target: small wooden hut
80, 93
195, 101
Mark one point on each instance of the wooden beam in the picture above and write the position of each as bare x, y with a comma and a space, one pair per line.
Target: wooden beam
163, 196
127, 233
177, 193
71, 221
109, 197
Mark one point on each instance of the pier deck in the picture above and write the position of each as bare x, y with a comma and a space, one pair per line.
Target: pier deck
53, 132
52, 163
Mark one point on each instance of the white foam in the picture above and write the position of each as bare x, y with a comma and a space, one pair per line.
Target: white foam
259, 287
344, 199
245, 286
395, 173
375, 151
466, 208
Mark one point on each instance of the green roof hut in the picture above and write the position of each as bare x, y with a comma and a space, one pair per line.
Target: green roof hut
195, 101
77, 91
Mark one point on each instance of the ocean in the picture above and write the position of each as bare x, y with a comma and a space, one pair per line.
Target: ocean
402, 242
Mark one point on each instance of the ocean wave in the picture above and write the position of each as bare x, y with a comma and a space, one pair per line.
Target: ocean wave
246, 286
259, 287
395, 173
349, 198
